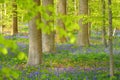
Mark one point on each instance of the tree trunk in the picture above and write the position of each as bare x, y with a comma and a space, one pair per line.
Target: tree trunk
110, 39
89, 24
3, 15
15, 21
35, 41
75, 7
61, 10
83, 34
103, 25
1, 19
48, 44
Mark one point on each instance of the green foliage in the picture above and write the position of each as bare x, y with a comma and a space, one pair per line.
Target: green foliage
77, 59
2, 1
4, 51
22, 56
7, 44
8, 73
58, 73
8, 56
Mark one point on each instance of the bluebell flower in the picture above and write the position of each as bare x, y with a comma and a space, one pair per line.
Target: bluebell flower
56, 73
64, 69
31, 75
26, 37
0, 67
36, 73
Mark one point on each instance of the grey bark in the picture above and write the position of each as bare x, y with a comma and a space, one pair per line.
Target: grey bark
48, 44
35, 41
83, 34
61, 10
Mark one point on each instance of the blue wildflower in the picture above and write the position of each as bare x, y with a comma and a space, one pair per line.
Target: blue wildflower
36, 73
31, 75
0, 67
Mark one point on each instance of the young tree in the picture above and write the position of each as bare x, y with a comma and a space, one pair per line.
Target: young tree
75, 6
110, 39
83, 35
103, 24
61, 10
89, 24
48, 39
1, 18
35, 40
15, 20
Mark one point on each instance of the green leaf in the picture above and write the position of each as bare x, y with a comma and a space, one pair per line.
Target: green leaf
43, 76
6, 71
72, 40
4, 51
15, 74
21, 56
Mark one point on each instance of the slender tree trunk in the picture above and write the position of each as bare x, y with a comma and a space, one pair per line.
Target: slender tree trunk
75, 7
15, 21
114, 31
89, 24
110, 39
1, 19
83, 35
103, 25
35, 41
3, 15
61, 10
48, 44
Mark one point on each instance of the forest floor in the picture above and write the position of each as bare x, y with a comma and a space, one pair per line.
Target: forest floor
96, 46
69, 61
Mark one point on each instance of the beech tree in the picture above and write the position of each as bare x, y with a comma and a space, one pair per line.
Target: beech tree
1, 19
3, 15
15, 20
61, 10
75, 6
48, 38
83, 35
35, 40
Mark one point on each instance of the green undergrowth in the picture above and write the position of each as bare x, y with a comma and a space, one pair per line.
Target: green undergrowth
75, 66
84, 60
